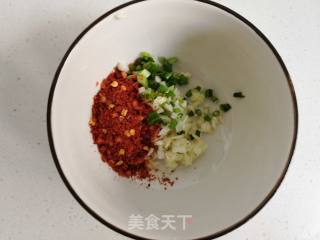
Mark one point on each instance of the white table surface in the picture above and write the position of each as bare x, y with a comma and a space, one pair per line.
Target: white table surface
34, 203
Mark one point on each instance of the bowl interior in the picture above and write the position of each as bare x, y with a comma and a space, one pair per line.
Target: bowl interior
247, 155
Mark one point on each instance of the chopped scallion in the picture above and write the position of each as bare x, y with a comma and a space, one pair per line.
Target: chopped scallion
190, 113
216, 113
154, 118
198, 133
207, 118
145, 55
173, 124
166, 64
189, 94
198, 88
180, 115
238, 95
214, 99
225, 107
172, 60
153, 85
198, 112
180, 78
208, 93
165, 118
170, 93
162, 89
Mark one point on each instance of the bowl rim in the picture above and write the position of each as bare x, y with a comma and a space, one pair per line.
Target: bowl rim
216, 234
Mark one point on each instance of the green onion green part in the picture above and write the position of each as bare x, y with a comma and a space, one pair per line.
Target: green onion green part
181, 132
154, 118
173, 124
208, 93
207, 118
225, 107
190, 113
198, 133
238, 95
214, 99
198, 112
162, 89
198, 88
189, 94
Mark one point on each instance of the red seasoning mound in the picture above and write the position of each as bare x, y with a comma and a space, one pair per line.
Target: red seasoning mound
119, 126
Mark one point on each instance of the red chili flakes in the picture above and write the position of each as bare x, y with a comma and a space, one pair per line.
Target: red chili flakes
166, 181
119, 128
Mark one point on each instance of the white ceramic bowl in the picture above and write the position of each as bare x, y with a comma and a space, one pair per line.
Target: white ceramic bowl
249, 154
